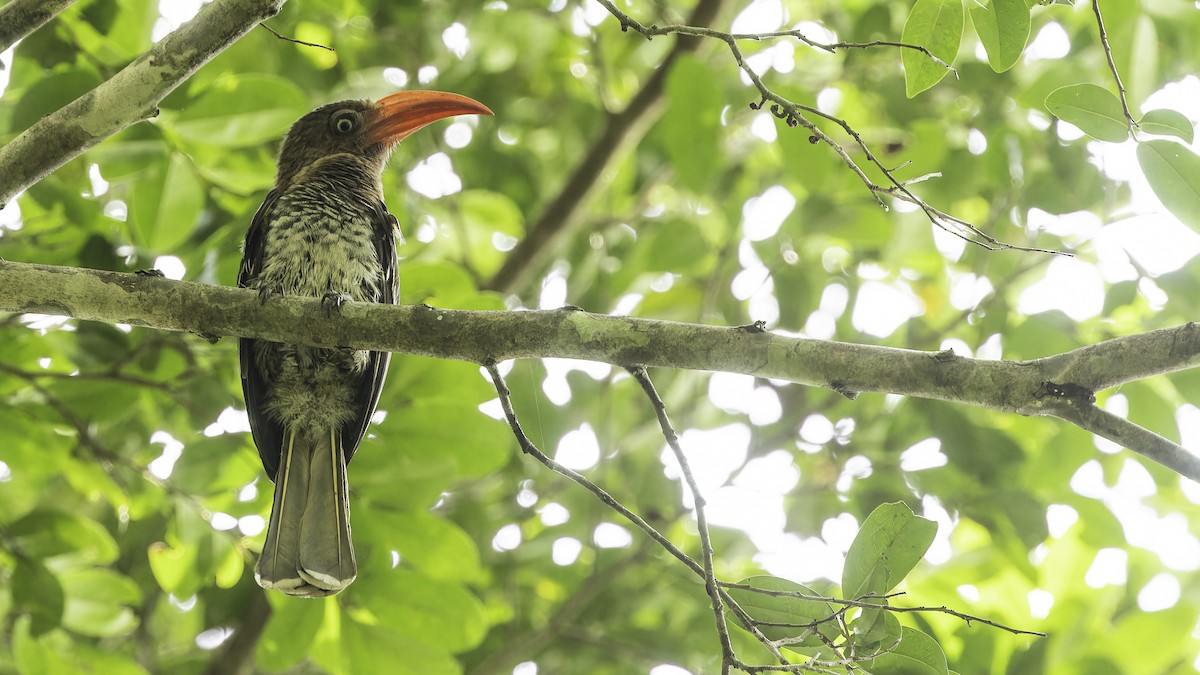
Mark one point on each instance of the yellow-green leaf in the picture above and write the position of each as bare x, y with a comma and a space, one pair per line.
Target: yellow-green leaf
1095, 110
1173, 172
936, 25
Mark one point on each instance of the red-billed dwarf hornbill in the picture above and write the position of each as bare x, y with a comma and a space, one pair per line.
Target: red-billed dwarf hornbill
324, 231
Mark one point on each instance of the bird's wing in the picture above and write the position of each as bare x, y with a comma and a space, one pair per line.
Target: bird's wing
268, 433
367, 397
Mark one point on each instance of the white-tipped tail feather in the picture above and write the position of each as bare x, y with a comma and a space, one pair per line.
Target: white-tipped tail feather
308, 552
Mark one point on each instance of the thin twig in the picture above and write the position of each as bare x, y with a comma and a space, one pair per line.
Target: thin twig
710, 581
871, 602
1112, 65
112, 375
713, 585
532, 450
277, 34
529, 448
793, 115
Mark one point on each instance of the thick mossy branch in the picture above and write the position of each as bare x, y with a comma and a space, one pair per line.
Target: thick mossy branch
21, 17
1061, 385
130, 96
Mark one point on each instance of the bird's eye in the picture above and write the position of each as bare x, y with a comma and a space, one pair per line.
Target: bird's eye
344, 122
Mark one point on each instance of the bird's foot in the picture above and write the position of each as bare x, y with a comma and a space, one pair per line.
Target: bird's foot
152, 272
333, 301
265, 291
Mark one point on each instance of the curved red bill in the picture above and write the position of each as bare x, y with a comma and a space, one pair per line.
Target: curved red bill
402, 113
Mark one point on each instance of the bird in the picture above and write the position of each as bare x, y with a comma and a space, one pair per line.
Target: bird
324, 231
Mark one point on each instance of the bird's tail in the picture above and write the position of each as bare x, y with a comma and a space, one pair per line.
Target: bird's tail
308, 551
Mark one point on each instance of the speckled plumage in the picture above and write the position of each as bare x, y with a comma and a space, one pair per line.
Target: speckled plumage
323, 231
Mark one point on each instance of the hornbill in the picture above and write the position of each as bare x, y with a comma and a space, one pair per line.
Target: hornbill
324, 231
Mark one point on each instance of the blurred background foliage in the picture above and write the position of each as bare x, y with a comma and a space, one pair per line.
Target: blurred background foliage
131, 498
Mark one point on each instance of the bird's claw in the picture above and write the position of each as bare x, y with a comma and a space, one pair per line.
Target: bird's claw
333, 301
152, 272
264, 290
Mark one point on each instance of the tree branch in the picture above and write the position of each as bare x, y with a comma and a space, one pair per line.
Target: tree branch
21, 17
130, 96
527, 258
1129, 435
1038, 387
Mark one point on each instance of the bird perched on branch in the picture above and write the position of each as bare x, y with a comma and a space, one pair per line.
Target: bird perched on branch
324, 231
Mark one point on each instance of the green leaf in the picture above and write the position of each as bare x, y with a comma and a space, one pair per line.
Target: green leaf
436, 613
691, 126
889, 544
489, 215
242, 110
1167, 122
370, 648
673, 246
434, 545
33, 655
1095, 110
1003, 28
97, 602
230, 563
38, 593
438, 284
47, 534
876, 628
289, 633
917, 654
165, 207
171, 565
786, 609
1173, 172
455, 431
936, 25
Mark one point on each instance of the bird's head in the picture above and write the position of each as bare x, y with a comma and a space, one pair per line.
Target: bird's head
363, 133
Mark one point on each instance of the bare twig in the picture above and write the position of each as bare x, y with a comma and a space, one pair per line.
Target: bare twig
528, 447
532, 450
1112, 65
710, 581
870, 602
281, 36
112, 375
793, 115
